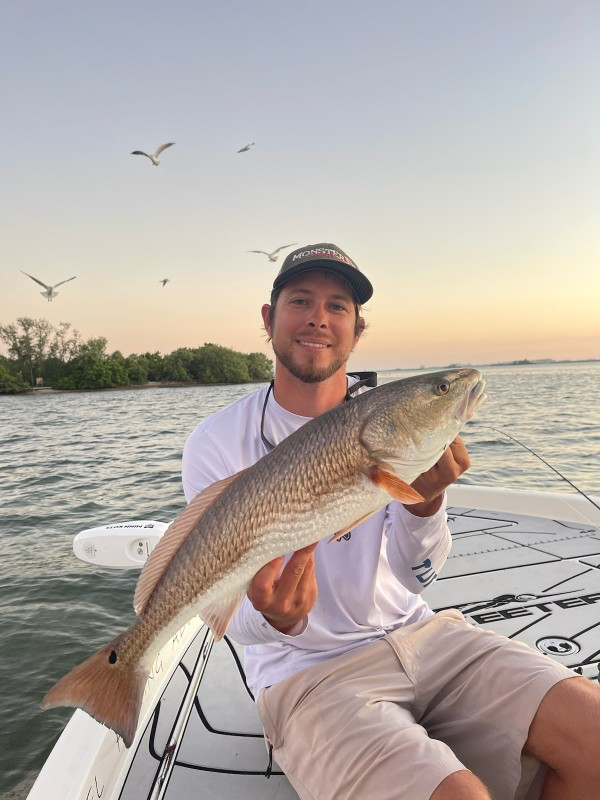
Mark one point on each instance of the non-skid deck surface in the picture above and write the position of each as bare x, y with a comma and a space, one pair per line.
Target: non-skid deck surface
528, 578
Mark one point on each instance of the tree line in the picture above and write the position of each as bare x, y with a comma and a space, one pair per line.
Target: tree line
40, 354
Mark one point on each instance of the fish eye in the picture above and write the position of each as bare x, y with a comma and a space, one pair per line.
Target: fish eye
443, 387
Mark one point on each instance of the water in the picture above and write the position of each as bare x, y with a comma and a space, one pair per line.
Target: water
73, 461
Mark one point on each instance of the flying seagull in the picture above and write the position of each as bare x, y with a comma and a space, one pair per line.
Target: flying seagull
154, 156
164, 281
272, 256
245, 147
49, 294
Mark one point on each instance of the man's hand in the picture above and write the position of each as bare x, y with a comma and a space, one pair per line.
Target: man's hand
285, 598
431, 484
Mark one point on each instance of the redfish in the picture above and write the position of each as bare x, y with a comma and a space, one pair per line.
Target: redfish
321, 481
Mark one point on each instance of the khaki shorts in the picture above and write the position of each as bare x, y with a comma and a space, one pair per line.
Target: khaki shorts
395, 717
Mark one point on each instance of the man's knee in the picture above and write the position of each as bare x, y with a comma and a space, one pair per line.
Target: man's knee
461, 785
565, 733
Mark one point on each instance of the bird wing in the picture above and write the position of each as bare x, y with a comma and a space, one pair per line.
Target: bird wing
264, 252
61, 283
49, 288
162, 147
283, 246
139, 153
245, 147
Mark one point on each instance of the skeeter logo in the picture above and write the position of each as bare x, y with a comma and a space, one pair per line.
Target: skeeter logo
546, 607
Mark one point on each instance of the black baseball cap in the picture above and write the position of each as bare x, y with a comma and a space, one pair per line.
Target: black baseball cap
329, 257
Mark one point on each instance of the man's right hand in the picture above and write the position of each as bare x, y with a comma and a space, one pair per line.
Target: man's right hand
285, 597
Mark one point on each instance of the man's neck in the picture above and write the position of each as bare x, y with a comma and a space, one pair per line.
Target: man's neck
308, 399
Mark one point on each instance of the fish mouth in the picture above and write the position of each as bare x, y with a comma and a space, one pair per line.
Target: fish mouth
475, 398
466, 410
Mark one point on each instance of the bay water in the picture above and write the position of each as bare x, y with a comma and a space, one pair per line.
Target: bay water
70, 461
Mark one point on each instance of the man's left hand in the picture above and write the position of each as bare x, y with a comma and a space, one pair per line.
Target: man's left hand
432, 484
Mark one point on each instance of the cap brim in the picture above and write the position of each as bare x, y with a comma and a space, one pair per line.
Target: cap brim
361, 286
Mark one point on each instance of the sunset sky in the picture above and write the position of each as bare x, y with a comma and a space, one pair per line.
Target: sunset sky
450, 147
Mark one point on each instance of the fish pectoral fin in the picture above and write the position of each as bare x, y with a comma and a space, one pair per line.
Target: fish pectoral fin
160, 558
218, 616
394, 486
337, 536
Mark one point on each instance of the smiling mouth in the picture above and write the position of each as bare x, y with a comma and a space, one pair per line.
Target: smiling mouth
315, 345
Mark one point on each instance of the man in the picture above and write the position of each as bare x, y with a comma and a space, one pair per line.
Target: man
363, 692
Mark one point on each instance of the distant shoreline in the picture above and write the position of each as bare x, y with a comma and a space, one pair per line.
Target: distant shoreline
187, 385
149, 385
522, 362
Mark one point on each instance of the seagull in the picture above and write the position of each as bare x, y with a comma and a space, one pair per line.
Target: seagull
154, 157
272, 256
245, 147
49, 294
164, 281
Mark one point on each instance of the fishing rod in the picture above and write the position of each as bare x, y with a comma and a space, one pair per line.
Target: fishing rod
543, 460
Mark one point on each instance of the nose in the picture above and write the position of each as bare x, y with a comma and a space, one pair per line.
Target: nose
318, 316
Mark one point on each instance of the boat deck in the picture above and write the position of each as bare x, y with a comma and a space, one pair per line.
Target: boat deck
541, 584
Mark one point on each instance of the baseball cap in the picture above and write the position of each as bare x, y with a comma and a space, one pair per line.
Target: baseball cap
329, 257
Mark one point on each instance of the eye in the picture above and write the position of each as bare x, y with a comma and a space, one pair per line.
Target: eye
443, 387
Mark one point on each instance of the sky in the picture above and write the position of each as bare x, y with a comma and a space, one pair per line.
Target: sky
450, 147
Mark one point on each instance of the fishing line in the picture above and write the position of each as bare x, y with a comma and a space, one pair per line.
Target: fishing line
529, 450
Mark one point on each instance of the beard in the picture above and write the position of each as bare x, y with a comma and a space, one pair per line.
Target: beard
308, 372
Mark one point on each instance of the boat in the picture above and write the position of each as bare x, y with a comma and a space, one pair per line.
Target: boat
523, 563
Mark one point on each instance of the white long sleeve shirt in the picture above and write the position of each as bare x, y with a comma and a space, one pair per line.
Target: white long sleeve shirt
369, 582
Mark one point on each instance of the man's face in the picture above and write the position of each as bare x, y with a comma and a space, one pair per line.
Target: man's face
313, 330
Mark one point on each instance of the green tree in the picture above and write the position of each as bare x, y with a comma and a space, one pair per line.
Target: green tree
11, 383
20, 341
155, 365
37, 349
214, 363
118, 369
92, 368
176, 366
137, 369
259, 366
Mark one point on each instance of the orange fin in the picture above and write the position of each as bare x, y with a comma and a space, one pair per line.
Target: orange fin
106, 689
394, 486
160, 558
218, 616
337, 536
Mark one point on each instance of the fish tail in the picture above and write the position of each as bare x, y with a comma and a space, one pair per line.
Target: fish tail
108, 690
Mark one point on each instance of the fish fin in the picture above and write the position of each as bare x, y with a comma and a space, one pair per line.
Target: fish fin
394, 486
219, 615
337, 536
160, 558
107, 690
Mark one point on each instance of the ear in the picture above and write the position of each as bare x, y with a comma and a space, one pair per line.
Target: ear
361, 326
265, 315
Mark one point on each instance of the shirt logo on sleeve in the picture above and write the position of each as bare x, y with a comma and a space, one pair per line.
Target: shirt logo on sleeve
427, 575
